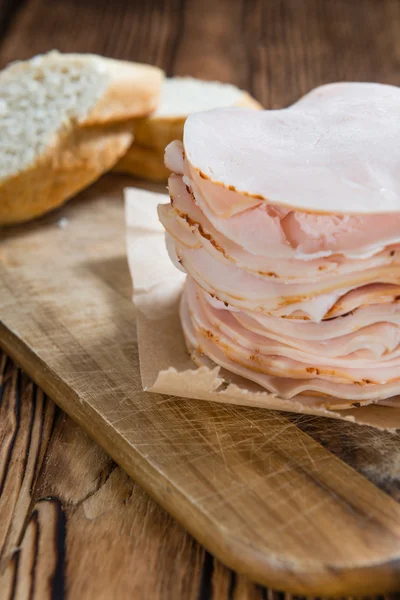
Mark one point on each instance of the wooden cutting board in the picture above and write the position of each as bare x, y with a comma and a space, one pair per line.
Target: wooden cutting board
300, 503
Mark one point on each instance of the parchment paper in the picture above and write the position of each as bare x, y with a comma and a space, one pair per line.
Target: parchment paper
165, 365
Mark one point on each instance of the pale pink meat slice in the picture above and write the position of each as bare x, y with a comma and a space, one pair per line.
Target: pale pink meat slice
376, 341
274, 358
310, 309
263, 231
244, 290
174, 157
317, 308
325, 309
293, 365
374, 293
329, 394
262, 228
356, 236
335, 151
184, 220
221, 201
179, 230
328, 329
266, 227
255, 229
306, 304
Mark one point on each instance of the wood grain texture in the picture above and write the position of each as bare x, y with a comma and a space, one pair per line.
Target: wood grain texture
278, 49
84, 510
79, 497
84, 499
295, 46
8, 11
143, 31
249, 484
89, 502
26, 420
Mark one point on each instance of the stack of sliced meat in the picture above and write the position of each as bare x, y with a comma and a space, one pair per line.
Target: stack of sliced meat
288, 225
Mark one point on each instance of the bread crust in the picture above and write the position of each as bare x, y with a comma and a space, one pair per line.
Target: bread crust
147, 161
143, 163
157, 132
83, 149
133, 91
77, 161
145, 158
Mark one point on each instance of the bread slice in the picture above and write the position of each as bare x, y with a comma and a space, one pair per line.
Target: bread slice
143, 163
180, 97
64, 120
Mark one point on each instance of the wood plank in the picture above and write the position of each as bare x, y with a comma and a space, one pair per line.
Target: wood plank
293, 46
142, 31
249, 484
86, 500
76, 471
278, 49
26, 420
80, 499
8, 11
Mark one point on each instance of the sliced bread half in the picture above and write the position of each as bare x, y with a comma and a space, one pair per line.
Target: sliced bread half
64, 120
143, 163
180, 97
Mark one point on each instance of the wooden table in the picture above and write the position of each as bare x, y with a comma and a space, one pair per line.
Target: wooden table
72, 523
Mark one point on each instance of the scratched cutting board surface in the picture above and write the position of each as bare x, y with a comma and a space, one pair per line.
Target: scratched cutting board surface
303, 504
